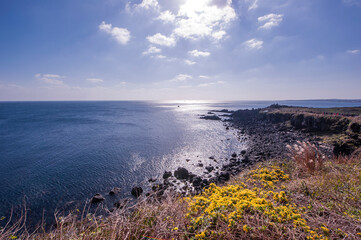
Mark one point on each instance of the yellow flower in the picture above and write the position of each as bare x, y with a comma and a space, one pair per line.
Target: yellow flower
325, 230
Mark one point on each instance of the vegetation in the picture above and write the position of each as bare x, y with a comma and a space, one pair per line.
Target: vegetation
347, 111
305, 197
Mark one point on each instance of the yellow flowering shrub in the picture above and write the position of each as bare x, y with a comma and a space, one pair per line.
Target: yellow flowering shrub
267, 177
229, 205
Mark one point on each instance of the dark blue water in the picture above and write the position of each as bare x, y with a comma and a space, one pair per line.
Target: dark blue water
56, 153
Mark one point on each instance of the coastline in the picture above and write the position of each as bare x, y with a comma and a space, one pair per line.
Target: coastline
268, 137
268, 131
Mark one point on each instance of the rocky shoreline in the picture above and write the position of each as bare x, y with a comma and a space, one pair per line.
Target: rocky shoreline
267, 140
267, 132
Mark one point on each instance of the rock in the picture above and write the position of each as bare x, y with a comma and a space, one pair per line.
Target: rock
114, 191
187, 160
121, 203
234, 155
243, 152
191, 176
209, 168
355, 127
157, 187
343, 149
137, 191
97, 198
212, 117
197, 181
205, 182
233, 160
224, 176
181, 173
152, 180
167, 175
246, 159
200, 165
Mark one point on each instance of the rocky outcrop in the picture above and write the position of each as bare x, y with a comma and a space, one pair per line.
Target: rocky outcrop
97, 198
355, 127
167, 174
114, 191
137, 191
211, 117
181, 173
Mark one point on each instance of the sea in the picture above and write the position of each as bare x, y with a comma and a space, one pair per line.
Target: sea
57, 155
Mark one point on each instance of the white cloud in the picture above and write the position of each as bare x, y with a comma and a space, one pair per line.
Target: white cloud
253, 4
166, 16
50, 78
204, 18
162, 40
270, 20
95, 80
181, 78
196, 53
122, 35
254, 44
211, 83
189, 62
159, 56
152, 50
218, 35
148, 4
355, 51
203, 76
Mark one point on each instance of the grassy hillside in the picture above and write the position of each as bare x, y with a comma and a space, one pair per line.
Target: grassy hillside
347, 111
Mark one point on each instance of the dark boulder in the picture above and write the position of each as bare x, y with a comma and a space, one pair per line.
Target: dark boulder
212, 117
197, 181
342, 149
209, 168
205, 182
355, 127
152, 180
137, 191
243, 152
234, 155
224, 176
181, 173
114, 191
191, 176
97, 198
167, 175
246, 159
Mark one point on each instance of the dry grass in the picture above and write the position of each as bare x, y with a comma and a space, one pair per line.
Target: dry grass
146, 218
307, 156
321, 200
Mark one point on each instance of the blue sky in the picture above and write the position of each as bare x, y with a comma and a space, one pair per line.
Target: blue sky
180, 49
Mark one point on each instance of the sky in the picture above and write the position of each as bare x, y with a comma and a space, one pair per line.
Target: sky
180, 49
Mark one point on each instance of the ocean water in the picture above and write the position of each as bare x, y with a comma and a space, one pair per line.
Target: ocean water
56, 154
